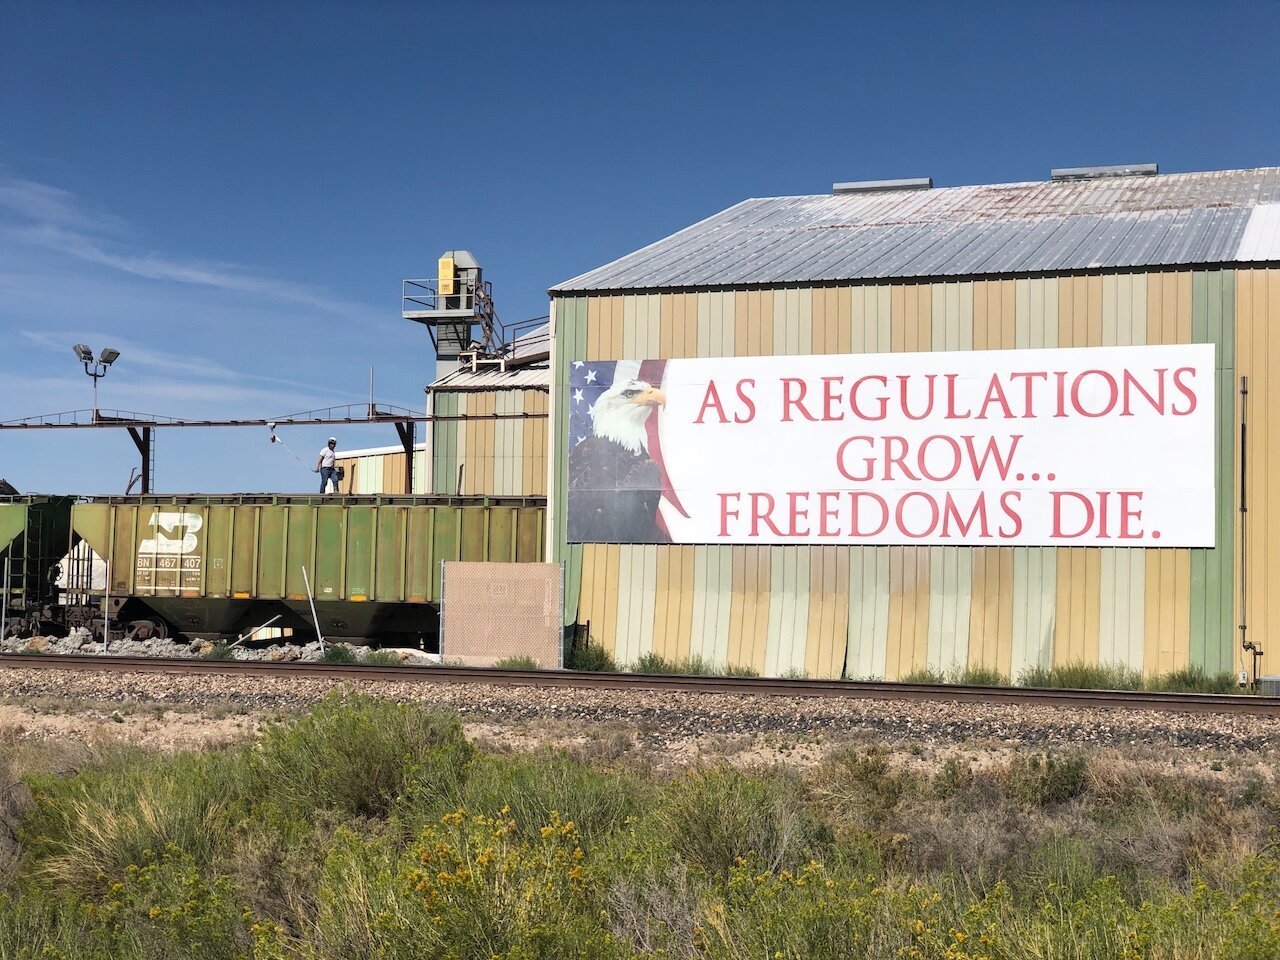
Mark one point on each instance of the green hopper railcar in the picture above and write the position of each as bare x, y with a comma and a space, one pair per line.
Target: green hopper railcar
34, 534
213, 566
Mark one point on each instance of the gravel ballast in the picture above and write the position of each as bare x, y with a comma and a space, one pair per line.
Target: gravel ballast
661, 719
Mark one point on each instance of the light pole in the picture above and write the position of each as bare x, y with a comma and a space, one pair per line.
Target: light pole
105, 359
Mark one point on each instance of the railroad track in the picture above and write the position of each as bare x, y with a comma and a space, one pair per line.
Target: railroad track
753, 686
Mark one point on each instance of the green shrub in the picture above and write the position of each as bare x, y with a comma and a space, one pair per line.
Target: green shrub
471, 886
1193, 680
1055, 863
338, 653
1038, 677
360, 906
356, 755
166, 906
532, 788
955, 778
342, 836
717, 817
815, 912
34, 925
85, 830
590, 657
972, 676
517, 663
1083, 676
219, 651
981, 677
657, 665
1095, 921
381, 658
1039, 779
698, 666
861, 788
924, 675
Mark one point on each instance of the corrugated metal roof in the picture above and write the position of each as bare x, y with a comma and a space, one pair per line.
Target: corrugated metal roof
526, 377
529, 346
1053, 226
528, 367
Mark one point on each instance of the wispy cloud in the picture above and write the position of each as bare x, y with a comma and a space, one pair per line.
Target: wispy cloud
162, 383
46, 217
45, 204
157, 361
158, 396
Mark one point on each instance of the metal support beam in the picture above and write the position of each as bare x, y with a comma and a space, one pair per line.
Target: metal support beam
142, 440
86, 419
142, 427
408, 431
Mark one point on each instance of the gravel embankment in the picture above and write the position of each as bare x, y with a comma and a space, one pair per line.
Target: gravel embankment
663, 719
80, 642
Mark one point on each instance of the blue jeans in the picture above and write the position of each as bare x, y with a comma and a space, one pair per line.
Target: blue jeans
327, 474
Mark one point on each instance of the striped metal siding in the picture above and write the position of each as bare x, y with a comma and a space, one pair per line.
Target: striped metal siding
382, 473
890, 611
1257, 317
499, 457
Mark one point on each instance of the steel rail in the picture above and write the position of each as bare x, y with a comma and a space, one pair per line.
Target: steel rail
741, 686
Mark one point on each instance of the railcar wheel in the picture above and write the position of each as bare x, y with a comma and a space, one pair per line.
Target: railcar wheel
147, 629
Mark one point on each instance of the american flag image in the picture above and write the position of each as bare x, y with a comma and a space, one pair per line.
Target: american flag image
587, 380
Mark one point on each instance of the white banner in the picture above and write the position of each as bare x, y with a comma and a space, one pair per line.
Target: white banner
1097, 446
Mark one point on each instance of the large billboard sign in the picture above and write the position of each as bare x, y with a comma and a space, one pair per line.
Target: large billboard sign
1095, 446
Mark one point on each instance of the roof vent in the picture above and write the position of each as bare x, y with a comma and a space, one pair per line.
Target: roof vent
1115, 170
881, 186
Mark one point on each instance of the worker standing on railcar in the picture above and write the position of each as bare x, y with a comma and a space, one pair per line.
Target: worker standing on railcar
325, 466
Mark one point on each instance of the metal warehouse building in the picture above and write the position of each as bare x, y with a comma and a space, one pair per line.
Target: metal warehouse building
1090, 258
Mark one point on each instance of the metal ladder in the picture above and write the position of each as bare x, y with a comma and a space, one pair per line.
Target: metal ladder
16, 560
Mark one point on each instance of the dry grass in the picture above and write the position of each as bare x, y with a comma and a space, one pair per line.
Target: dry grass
118, 820
20, 757
1105, 812
656, 914
718, 816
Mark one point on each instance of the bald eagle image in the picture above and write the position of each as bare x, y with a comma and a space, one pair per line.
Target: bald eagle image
615, 483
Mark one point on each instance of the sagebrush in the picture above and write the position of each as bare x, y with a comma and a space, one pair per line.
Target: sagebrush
367, 828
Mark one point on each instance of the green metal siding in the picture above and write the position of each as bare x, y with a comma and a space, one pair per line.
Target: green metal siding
570, 332
444, 448
272, 541
1213, 627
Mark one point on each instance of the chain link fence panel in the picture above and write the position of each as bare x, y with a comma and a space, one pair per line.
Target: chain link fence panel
492, 612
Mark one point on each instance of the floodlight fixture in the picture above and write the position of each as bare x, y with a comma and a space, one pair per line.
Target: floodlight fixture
96, 368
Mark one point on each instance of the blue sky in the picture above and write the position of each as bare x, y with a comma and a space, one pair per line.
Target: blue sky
231, 193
